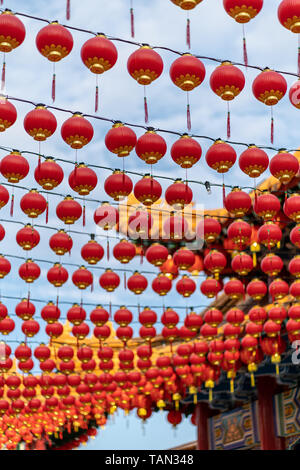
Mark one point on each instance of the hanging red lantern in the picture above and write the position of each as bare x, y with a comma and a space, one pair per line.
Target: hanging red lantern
118, 185
242, 264
120, 139
215, 262
269, 87
269, 235
284, 166
178, 194
210, 287
5, 267
4, 196
99, 316
278, 289
54, 42
27, 237
238, 202
140, 223
80, 331
124, 251
29, 271
50, 313
271, 264
220, 156
227, 81
295, 236
68, 210
175, 227
2, 232
169, 318
291, 207
48, 174
124, 333
151, 147
8, 113
92, 252
102, 332
147, 190
145, 65
184, 258
14, 167
57, 275
234, 289
157, 254
161, 284
254, 161
61, 243
169, 269
42, 352
186, 151
294, 266
3, 314
193, 321
109, 280
185, 286
257, 289
137, 283
147, 317
213, 317
83, 180
76, 314
40, 123
289, 17
106, 216
7, 325
240, 232
25, 309
65, 353
187, 72
267, 206
33, 204
82, 278
30, 328
77, 131
258, 315
209, 229
277, 314
99, 55
295, 289
54, 330
123, 316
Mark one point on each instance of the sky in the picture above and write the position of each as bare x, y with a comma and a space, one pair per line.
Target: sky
159, 22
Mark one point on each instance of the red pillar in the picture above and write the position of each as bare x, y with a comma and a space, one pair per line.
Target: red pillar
202, 414
266, 387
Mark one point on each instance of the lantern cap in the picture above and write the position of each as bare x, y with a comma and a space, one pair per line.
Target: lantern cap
218, 141
40, 106
225, 62
151, 130
77, 114
102, 35
145, 46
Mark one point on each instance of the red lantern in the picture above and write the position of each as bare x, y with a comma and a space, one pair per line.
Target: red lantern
106, 216
33, 204
61, 243
120, 140
284, 166
209, 229
124, 333
269, 235
220, 156
99, 54
50, 313
243, 11
3, 312
92, 252
28, 237
82, 278
257, 289
5, 267
4, 196
80, 331
294, 266
147, 317
210, 287
238, 202
57, 275
234, 289
99, 316
186, 151
7, 325
29, 271
227, 81
278, 289
12, 31
25, 309
295, 236
161, 284
14, 167
215, 262
8, 113
269, 87
54, 330
187, 72
186, 286
157, 254
267, 206
42, 352
242, 264
30, 328
147, 190
178, 194
137, 283
48, 174
169, 269
213, 317
118, 185
109, 280
289, 17
184, 258
193, 321
175, 227
277, 314
271, 264
254, 161
83, 180
240, 232
2, 232
124, 251
40, 123
169, 318
123, 316
145, 65
68, 210
151, 147
54, 42
76, 314
77, 131
291, 207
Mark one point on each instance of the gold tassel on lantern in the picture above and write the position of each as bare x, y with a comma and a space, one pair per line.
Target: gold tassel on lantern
252, 368
210, 385
176, 398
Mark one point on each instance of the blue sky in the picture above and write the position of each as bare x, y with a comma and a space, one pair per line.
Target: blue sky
158, 22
